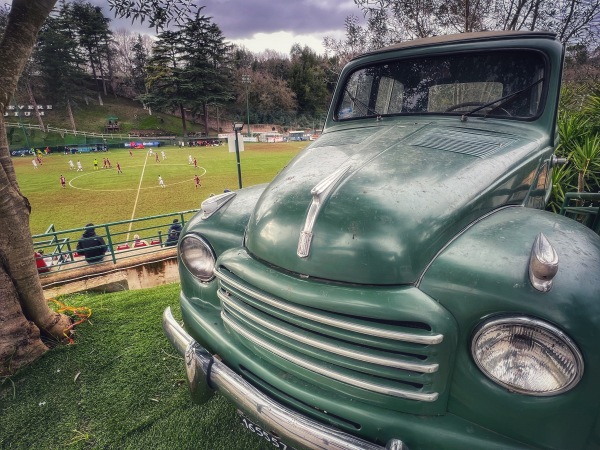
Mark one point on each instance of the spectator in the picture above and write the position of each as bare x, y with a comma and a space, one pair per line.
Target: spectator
91, 245
139, 242
42, 267
173, 233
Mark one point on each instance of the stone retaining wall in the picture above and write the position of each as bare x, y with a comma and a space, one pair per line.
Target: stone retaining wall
139, 272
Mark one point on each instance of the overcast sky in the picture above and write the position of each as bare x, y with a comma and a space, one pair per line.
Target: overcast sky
265, 24
272, 24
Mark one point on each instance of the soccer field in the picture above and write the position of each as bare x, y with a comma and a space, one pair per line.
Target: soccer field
103, 195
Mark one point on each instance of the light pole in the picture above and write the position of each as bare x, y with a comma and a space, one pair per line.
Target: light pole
246, 80
237, 126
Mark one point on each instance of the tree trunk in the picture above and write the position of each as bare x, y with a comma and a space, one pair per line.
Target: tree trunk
19, 339
205, 111
101, 69
19, 281
95, 76
111, 74
34, 104
183, 124
71, 117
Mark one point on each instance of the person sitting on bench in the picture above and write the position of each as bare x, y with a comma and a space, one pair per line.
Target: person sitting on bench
91, 245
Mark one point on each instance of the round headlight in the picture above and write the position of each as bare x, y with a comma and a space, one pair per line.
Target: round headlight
197, 256
528, 356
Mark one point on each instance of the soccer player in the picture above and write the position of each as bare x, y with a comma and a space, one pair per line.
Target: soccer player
195, 164
79, 166
119, 168
190, 159
130, 153
156, 157
71, 165
63, 181
95, 164
197, 180
34, 162
108, 163
161, 183
162, 152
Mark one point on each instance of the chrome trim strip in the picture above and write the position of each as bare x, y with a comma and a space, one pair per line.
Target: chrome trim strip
360, 356
425, 397
292, 427
362, 329
319, 193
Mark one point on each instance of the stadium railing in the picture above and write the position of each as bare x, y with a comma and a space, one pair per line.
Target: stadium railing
58, 248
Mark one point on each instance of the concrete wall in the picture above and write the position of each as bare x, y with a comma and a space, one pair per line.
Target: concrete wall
138, 272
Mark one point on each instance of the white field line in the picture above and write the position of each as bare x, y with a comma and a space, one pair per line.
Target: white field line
137, 196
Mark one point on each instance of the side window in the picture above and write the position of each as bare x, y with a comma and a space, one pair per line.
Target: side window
355, 102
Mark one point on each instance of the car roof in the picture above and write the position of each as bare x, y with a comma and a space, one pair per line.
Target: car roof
463, 38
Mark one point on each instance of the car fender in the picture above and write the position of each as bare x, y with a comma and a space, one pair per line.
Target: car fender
484, 273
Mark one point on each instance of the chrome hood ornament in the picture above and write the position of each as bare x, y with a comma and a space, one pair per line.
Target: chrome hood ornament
320, 194
212, 204
543, 264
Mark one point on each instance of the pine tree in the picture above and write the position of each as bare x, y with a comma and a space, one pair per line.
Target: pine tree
58, 60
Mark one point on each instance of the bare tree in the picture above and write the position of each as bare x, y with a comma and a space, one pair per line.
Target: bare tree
572, 20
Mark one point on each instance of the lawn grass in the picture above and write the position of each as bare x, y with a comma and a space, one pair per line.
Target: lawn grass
120, 386
104, 196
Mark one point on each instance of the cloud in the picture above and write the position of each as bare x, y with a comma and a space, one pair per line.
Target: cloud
239, 19
282, 41
265, 24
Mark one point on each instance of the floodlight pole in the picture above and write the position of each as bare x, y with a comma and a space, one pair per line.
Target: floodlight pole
237, 156
246, 80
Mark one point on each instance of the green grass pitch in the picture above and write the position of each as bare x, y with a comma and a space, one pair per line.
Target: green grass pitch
103, 195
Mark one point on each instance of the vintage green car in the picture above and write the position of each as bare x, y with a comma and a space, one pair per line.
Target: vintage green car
399, 284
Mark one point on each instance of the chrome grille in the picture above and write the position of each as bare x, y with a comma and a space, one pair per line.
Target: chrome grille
399, 361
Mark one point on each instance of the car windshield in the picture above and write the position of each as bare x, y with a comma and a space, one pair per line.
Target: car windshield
509, 83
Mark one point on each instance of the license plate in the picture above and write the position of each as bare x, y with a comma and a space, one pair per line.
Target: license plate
257, 429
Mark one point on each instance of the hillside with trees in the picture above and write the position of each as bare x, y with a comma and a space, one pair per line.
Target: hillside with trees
188, 71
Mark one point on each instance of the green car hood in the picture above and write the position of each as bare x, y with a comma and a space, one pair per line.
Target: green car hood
399, 193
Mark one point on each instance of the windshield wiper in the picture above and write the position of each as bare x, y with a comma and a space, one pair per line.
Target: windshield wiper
366, 107
501, 101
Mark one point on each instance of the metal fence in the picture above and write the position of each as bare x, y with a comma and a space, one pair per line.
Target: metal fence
583, 207
56, 250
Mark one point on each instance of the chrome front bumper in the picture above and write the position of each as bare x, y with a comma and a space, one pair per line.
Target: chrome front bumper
206, 374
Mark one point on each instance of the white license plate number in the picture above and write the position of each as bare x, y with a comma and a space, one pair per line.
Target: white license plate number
257, 429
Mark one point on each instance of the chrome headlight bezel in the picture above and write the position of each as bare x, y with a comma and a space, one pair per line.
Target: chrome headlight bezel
205, 253
535, 326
